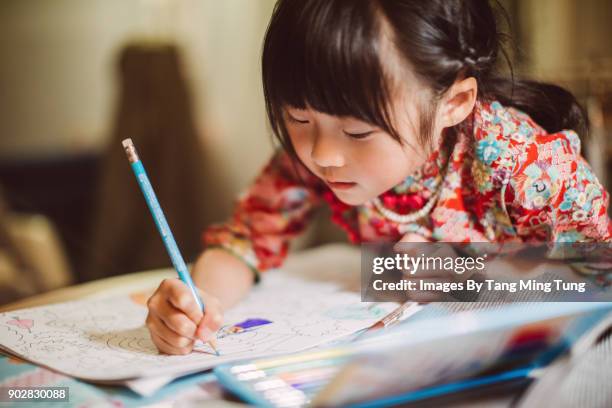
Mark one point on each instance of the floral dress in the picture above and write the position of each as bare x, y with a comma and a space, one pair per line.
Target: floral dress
504, 179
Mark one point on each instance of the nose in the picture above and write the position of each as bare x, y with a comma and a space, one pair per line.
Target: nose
327, 152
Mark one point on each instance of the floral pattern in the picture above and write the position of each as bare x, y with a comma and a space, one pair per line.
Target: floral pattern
504, 179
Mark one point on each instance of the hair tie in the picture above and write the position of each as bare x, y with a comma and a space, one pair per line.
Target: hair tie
476, 63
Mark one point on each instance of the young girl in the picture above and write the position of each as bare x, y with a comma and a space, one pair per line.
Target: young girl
391, 113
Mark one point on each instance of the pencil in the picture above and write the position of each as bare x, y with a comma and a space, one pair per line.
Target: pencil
402, 311
162, 225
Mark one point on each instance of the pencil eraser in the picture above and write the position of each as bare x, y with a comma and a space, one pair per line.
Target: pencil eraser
130, 150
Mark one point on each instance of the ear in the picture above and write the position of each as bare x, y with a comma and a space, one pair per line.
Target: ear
458, 102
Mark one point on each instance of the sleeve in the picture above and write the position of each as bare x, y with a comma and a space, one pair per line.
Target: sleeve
554, 194
274, 209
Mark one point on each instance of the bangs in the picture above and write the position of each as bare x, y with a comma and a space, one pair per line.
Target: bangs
325, 55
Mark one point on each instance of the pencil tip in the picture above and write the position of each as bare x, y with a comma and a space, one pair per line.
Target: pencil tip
213, 344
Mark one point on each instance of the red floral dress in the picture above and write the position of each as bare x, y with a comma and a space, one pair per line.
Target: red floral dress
505, 179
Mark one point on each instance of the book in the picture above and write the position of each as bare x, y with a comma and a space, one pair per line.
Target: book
105, 340
421, 358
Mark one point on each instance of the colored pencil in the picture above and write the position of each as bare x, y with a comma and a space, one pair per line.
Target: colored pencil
162, 225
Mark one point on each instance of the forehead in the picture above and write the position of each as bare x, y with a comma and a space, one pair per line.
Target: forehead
340, 58
325, 54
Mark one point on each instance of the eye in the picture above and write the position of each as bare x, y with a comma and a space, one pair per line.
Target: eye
358, 135
356, 128
293, 119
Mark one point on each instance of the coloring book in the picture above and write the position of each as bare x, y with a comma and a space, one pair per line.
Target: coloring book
105, 340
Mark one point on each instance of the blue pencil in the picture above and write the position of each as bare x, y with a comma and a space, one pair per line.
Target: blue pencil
162, 224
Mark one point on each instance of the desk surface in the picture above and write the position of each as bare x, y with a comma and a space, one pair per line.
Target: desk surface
312, 264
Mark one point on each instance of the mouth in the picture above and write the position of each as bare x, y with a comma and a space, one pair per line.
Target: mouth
341, 185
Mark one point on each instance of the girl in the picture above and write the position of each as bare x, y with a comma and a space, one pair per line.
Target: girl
391, 113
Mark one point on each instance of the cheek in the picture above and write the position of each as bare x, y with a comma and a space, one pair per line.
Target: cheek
301, 144
390, 165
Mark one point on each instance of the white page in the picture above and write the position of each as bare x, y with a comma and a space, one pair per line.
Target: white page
148, 386
106, 340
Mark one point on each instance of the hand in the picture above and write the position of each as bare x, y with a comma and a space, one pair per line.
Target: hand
413, 245
416, 246
175, 321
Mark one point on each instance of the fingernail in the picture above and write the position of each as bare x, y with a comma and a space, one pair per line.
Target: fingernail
205, 334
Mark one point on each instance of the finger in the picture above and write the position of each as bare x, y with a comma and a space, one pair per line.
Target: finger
425, 296
213, 318
175, 319
157, 326
182, 298
155, 298
164, 347
411, 244
429, 273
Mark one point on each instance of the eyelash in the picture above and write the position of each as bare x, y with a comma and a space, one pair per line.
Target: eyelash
357, 136
294, 120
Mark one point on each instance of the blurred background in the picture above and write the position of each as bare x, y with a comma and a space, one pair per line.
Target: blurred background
182, 78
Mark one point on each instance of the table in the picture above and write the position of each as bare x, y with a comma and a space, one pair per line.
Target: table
339, 263
309, 264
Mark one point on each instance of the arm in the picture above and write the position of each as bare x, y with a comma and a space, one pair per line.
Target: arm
273, 210
224, 275
554, 187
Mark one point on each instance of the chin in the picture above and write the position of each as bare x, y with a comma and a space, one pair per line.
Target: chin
351, 199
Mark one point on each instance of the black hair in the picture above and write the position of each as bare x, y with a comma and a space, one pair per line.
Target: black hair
326, 54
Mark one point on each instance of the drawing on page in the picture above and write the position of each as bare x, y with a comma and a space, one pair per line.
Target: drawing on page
141, 298
107, 338
22, 323
248, 324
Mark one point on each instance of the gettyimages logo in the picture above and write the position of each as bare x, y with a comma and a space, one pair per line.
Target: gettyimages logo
412, 264
485, 272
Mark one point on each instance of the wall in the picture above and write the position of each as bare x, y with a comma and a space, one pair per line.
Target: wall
57, 74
